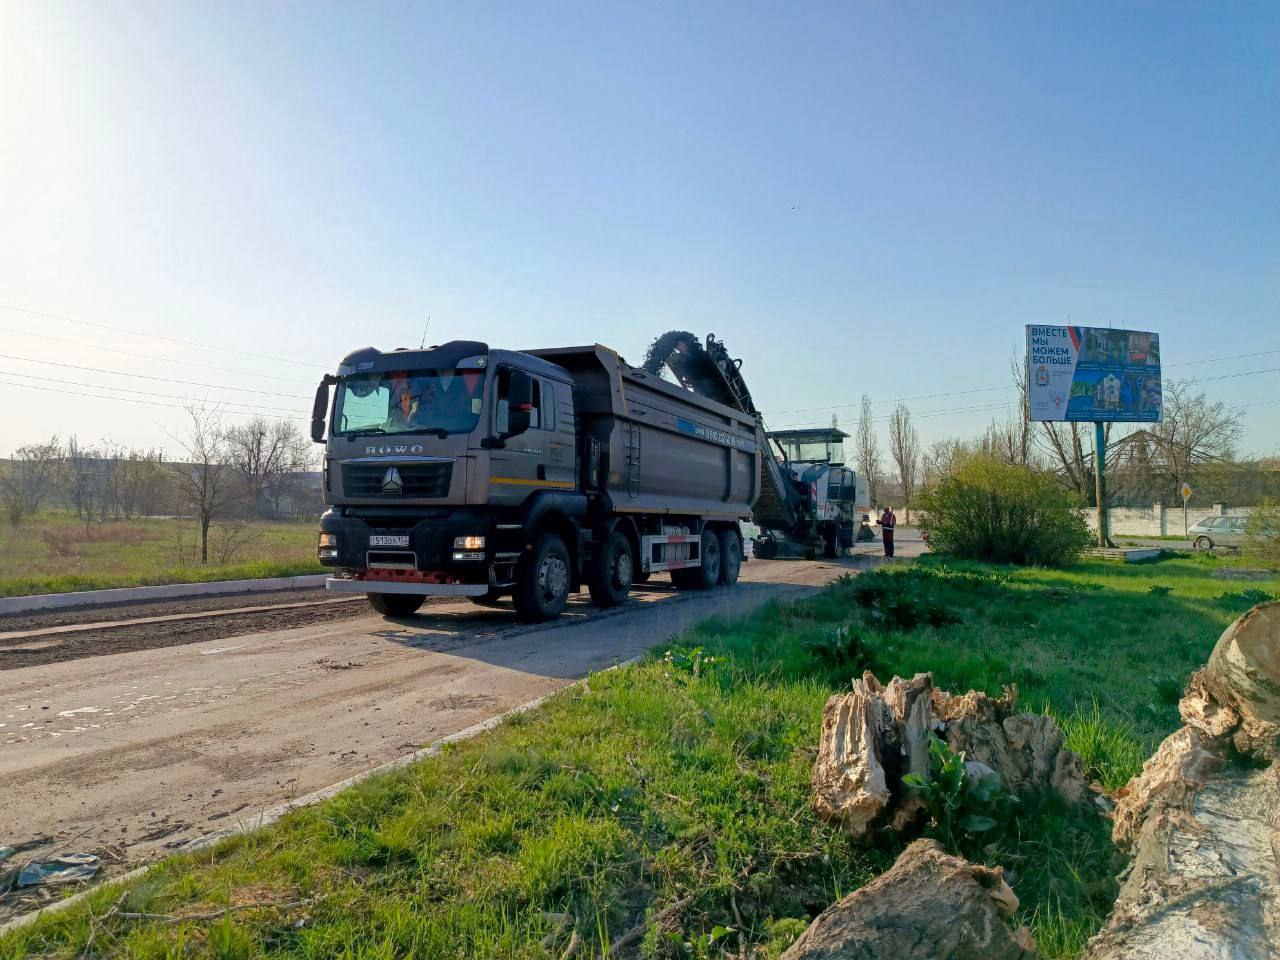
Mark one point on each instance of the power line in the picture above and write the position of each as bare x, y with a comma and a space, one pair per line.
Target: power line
1238, 356
149, 376
1232, 376
1010, 386
1000, 406
922, 396
147, 393
149, 403
147, 356
160, 336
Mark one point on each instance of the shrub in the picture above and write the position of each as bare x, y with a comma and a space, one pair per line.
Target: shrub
1262, 535
842, 649
1004, 513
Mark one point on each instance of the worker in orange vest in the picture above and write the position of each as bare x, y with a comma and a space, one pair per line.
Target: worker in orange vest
888, 521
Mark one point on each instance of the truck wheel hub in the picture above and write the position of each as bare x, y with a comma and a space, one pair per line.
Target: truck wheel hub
553, 577
622, 570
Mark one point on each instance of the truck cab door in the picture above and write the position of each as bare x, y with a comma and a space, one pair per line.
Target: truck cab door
516, 469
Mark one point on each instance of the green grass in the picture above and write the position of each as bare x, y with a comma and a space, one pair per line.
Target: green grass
56, 553
688, 776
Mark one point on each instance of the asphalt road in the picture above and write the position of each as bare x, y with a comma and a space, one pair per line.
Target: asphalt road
127, 754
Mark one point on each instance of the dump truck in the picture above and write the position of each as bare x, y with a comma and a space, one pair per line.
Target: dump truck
463, 470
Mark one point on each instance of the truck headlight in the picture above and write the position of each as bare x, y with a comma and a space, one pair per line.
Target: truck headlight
468, 543
328, 546
467, 555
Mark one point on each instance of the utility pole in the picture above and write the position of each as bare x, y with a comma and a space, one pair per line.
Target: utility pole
1100, 483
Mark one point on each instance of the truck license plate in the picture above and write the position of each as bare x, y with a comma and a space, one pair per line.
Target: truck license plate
389, 541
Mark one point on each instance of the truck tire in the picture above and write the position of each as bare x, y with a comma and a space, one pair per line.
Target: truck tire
542, 580
830, 547
612, 571
730, 557
395, 604
765, 549
705, 576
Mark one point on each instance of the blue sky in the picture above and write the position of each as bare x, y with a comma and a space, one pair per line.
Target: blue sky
857, 197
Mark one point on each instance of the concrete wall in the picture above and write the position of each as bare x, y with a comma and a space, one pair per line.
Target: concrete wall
1158, 520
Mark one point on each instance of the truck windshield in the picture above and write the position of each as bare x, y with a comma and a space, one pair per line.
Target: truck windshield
409, 401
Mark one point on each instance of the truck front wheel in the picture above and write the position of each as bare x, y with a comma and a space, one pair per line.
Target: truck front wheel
705, 576
612, 571
395, 604
542, 580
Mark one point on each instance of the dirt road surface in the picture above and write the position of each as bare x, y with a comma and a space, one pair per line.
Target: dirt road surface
129, 754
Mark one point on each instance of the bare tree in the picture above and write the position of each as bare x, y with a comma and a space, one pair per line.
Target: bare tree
206, 480
1063, 443
144, 484
269, 455
1017, 430
29, 477
80, 479
942, 458
1194, 428
904, 447
868, 460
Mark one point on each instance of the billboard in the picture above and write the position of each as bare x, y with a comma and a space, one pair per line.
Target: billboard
1089, 373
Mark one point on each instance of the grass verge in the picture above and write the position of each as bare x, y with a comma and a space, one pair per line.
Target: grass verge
684, 780
73, 582
56, 553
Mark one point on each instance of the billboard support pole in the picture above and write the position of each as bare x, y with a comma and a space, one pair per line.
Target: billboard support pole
1100, 483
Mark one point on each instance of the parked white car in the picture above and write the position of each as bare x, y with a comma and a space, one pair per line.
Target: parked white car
1218, 532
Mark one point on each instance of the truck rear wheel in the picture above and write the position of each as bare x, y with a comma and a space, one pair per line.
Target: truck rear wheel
612, 571
765, 549
730, 557
542, 580
705, 576
395, 604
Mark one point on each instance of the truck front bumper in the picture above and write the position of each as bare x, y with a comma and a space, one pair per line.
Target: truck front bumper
345, 585
418, 549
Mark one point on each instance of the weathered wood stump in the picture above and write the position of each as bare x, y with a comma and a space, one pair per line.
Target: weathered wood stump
1203, 817
927, 906
875, 735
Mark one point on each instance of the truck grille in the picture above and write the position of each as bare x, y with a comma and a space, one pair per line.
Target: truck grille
415, 479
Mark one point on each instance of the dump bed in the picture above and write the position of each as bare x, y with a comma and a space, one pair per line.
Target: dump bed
662, 448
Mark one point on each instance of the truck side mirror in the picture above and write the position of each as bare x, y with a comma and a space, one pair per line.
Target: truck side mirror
519, 404
319, 408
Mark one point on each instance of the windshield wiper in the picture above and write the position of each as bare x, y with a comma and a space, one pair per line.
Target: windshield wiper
440, 432
365, 432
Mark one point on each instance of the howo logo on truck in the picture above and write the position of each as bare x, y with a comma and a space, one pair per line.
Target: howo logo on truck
397, 448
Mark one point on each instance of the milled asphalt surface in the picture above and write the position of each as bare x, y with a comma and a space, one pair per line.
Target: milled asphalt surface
128, 754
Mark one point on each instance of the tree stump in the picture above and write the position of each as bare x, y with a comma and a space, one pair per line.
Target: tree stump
875, 735
1203, 817
928, 905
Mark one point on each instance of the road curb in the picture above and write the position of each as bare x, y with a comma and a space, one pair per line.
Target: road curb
272, 814
167, 591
